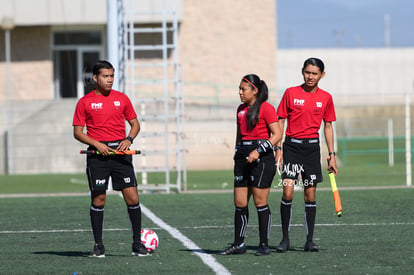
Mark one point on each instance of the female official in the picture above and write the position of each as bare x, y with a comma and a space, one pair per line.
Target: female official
304, 107
254, 162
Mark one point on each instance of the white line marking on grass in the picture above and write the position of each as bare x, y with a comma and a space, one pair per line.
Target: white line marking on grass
206, 258
78, 181
58, 231
200, 227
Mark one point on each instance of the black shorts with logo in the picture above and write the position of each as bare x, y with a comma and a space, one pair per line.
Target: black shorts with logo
259, 174
119, 167
302, 160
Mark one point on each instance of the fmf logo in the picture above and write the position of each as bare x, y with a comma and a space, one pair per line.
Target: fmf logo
97, 105
299, 102
319, 104
100, 182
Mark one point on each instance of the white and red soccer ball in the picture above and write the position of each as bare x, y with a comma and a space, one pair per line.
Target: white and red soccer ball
150, 239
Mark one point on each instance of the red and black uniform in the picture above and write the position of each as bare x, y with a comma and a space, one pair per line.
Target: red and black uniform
304, 113
104, 117
260, 173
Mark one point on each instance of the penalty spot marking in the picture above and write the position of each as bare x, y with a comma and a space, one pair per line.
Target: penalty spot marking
206, 258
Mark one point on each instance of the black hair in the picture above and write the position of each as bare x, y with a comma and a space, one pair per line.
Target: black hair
101, 64
314, 62
262, 95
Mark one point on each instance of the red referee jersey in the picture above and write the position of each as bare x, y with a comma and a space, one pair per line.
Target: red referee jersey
267, 115
305, 111
104, 116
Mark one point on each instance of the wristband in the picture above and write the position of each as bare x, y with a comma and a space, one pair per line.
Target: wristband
264, 147
332, 153
130, 139
276, 148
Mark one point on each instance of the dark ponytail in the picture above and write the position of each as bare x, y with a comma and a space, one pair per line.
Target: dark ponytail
263, 94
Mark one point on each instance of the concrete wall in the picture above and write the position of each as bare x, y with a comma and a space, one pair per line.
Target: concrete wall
71, 12
219, 42
31, 68
354, 76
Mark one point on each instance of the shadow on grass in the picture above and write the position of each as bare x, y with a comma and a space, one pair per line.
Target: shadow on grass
215, 251
249, 249
63, 253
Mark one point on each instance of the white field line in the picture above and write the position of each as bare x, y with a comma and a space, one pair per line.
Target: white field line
175, 233
209, 260
212, 191
202, 227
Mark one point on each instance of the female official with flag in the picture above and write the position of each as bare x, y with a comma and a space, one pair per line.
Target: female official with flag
304, 107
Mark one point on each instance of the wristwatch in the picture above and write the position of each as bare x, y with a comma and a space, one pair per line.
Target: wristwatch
130, 139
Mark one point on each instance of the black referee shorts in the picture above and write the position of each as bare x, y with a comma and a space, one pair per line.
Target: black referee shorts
302, 160
259, 174
119, 167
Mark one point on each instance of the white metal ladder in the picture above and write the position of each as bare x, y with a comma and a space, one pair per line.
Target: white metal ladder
153, 82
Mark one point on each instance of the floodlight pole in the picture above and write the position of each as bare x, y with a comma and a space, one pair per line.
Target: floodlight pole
112, 36
387, 31
7, 25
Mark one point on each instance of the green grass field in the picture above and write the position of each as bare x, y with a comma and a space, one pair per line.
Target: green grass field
348, 177
51, 234
45, 228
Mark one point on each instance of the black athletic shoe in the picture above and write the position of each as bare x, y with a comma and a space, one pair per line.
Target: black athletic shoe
138, 249
234, 249
98, 251
283, 246
311, 247
263, 250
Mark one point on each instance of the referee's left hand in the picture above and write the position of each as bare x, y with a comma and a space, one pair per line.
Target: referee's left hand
332, 165
123, 145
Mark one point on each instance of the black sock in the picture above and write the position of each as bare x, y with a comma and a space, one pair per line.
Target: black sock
265, 222
241, 219
310, 216
285, 215
97, 215
134, 212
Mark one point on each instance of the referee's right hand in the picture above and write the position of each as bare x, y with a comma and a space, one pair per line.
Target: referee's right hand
279, 159
104, 149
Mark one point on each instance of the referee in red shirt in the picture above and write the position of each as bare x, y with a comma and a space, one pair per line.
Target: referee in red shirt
103, 112
254, 162
304, 107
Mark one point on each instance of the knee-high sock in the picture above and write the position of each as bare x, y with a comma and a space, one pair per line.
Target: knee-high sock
134, 212
285, 216
265, 223
241, 219
310, 216
97, 216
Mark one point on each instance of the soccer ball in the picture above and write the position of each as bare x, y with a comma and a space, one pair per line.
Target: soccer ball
150, 239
